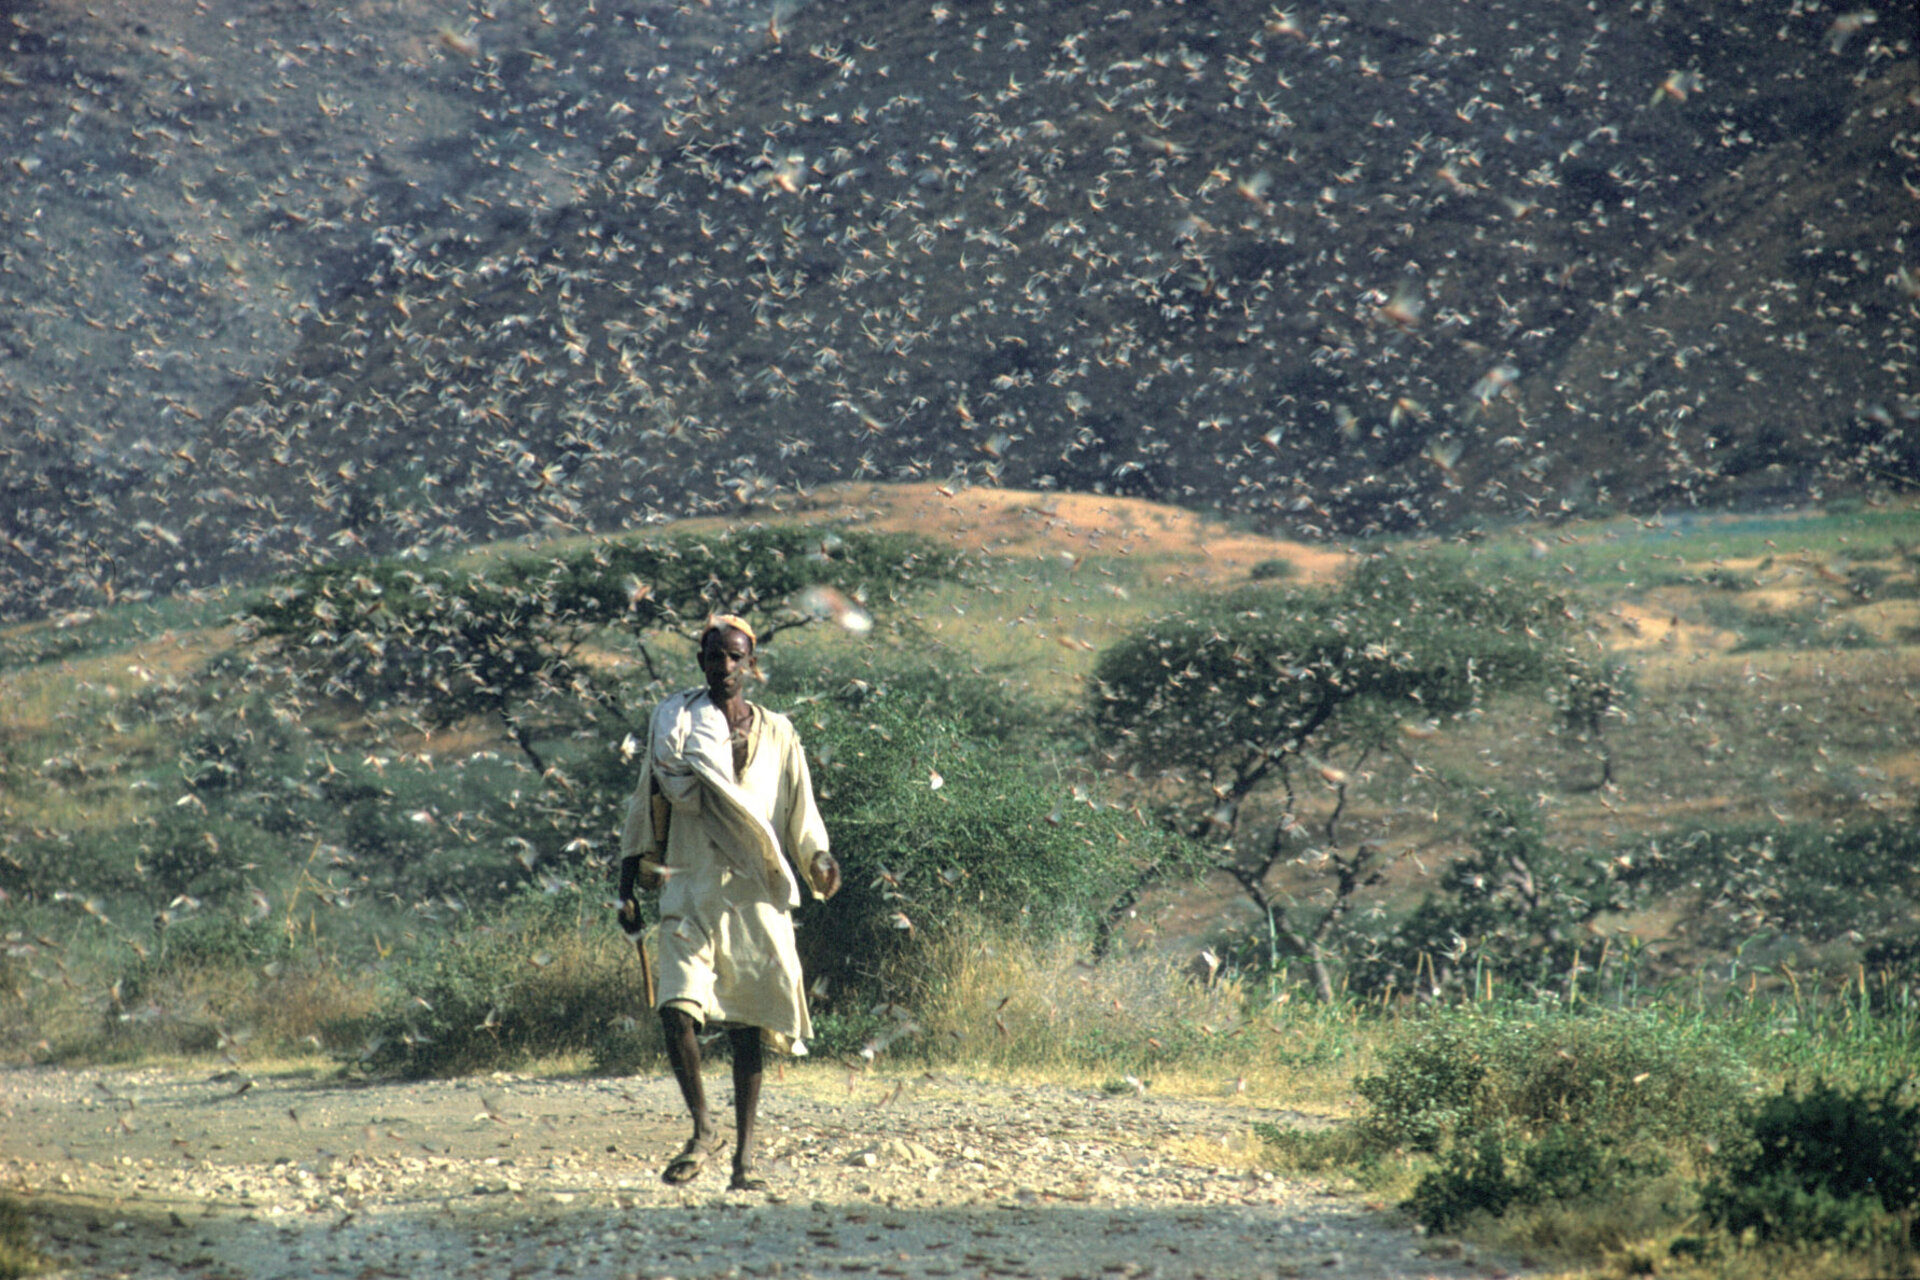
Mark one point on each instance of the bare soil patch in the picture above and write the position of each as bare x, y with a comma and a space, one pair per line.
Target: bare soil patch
164, 1172
1035, 524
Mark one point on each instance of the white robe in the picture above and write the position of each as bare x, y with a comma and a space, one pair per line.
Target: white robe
736, 854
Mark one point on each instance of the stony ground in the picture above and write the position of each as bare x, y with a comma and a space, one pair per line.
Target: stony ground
220, 1174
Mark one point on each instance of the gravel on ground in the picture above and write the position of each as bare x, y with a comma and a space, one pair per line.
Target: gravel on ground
228, 1175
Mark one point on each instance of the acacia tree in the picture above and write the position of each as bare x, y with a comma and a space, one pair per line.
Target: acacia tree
556, 648
506, 638
1249, 698
1514, 905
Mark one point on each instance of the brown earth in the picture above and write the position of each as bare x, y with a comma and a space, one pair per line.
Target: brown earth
1026, 523
183, 1171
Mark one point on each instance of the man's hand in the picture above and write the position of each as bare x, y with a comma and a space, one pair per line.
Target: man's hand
826, 874
627, 916
643, 872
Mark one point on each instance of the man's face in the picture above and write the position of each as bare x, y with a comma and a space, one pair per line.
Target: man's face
725, 656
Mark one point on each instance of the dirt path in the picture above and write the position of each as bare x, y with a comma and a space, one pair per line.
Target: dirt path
155, 1173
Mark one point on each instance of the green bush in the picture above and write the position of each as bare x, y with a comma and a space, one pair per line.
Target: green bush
841, 1032
1498, 1170
1530, 1106
1816, 882
1426, 1090
993, 703
1517, 902
1472, 1179
18, 1256
937, 823
542, 974
212, 939
1243, 703
1299, 1150
627, 1045
458, 640
1766, 628
1272, 570
1223, 688
1821, 1165
1623, 1074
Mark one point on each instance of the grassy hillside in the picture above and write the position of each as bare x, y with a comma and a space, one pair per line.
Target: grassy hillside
206, 855
162, 783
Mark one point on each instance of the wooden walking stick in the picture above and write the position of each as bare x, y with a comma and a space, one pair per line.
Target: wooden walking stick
640, 945
649, 875
661, 812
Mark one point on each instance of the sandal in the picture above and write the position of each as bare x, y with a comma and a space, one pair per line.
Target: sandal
686, 1166
745, 1181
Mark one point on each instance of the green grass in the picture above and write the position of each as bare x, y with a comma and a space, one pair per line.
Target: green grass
1011, 630
18, 1256
114, 630
1626, 554
327, 799
1583, 1139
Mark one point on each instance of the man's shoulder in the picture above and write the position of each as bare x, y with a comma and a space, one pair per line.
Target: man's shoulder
677, 700
775, 721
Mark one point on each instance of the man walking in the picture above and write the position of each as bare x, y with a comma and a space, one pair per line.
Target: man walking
724, 824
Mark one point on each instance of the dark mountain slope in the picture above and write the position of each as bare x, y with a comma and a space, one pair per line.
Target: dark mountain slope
1355, 267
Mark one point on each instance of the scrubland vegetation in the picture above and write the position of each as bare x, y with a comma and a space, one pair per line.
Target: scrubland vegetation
1557, 890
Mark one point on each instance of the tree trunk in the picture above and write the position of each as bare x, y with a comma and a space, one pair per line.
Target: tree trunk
523, 740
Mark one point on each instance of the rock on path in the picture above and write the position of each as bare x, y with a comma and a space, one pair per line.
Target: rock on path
156, 1173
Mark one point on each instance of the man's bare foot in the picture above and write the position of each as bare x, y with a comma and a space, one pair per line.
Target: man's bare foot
686, 1166
745, 1180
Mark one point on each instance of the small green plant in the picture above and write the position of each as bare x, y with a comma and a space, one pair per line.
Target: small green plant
1425, 1090
1273, 570
543, 974
1528, 1106
18, 1256
1499, 1169
1298, 1150
1472, 1179
1825, 1164
1626, 1074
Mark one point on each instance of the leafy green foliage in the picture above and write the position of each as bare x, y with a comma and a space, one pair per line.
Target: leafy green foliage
1821, 1164
1524, 1106
1299, 1150
1623, 1073
1496, 1169
1473, 1179
1247, 696
1239, 691
935, 823
542, 974
1272, 570
1428, 1089
1766, 628
1514, 906
1816, 882
18, 1256
503, 637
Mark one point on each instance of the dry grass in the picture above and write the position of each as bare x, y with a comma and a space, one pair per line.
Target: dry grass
1015, 1009
279, 1011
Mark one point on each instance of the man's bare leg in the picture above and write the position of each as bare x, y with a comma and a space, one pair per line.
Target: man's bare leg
683, 1053
749, 1067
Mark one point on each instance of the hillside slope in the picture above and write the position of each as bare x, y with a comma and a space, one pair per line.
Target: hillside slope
1347, 268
